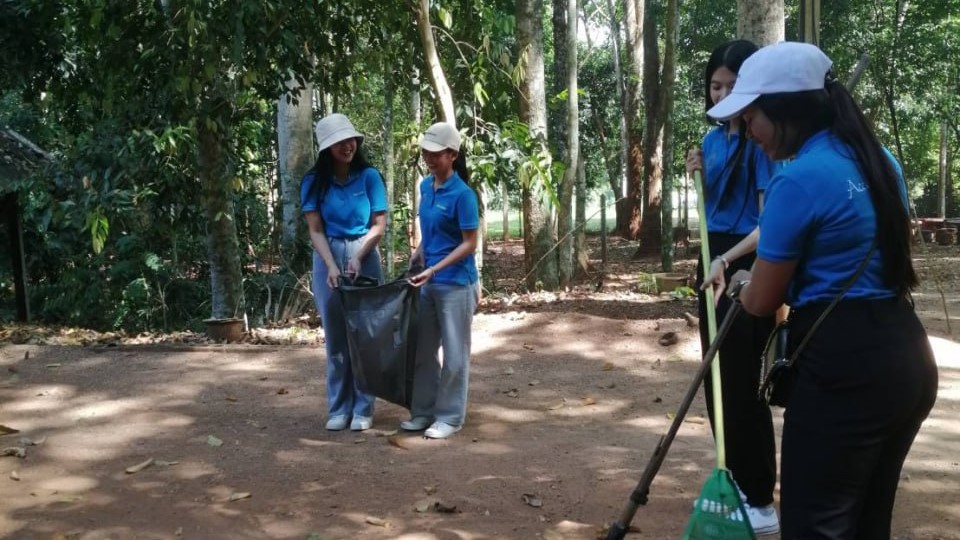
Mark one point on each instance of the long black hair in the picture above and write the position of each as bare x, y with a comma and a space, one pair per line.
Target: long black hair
323, 169
797, 116
730, 55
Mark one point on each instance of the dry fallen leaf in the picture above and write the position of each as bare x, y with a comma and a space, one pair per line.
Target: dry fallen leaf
608, 366
161, 463
532, 500
513, 392
397, 441
430, 490
587, 401
6, 430
424, 505
231, 398
377, 521
533, 382
56, 365
555, 406
14, 475
139, 466
528, 347
282, 391
508, 371
239, 495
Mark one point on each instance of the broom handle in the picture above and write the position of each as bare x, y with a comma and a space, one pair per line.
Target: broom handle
711, 324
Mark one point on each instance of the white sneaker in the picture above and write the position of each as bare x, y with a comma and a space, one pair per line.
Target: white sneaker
763, 519
361, 423
441, 430
337, 423
417, 423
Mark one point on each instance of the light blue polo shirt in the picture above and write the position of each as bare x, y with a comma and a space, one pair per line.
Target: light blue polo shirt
445, 213
347, 209
738, 211
818, 211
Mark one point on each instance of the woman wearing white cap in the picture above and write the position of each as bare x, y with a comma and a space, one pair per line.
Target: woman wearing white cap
449, 219
345, 203
834, 240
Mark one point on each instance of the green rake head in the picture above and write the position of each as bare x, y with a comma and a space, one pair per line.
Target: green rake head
718, 513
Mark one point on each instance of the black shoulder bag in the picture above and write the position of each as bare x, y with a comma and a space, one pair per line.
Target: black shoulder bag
777, 374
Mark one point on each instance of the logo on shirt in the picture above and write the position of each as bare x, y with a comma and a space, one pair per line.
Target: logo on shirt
852, 186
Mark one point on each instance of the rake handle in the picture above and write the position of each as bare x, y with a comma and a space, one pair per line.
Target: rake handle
640, 494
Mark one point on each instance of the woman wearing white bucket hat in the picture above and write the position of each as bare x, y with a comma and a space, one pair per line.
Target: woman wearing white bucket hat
834, 242
449, 220
344, 201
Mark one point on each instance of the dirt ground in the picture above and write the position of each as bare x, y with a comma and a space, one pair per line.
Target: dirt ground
568, 397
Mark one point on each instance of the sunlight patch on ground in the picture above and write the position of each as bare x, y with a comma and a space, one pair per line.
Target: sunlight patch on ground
490, 449
106, 408
947, 352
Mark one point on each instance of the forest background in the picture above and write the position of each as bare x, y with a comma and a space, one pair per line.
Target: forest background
175, 132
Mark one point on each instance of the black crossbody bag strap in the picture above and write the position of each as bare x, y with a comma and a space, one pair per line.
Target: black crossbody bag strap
860, 270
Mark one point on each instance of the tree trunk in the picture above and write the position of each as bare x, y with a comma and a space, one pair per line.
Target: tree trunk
581, 255
223, 249
565, 212
634, 75
557, 113
942, 184
389, 165
415, 114
669, 78
505, 198
760, 21
296, 156
619, 187
538, 231
434, 70
653, 99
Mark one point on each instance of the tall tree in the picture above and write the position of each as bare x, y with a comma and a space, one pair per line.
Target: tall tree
539, 230
760, 21
633, 93
295, 156
565, 212
430, 57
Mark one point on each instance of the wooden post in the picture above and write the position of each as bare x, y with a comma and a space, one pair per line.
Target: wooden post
603, 233
810, 21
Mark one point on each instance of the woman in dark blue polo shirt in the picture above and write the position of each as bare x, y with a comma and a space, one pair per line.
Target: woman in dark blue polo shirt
344, 201
449, 219
866, 379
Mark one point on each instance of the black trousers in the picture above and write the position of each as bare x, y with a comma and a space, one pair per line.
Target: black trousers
865, 382
748, 423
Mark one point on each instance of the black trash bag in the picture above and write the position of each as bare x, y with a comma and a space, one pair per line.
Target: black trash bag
381, 323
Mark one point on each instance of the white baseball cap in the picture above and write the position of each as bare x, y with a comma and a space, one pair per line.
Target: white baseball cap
334, 128
785, 67
441, 136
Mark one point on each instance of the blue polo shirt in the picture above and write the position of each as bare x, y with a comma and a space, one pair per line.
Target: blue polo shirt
738, 210
347, 209
445, 213
818, 212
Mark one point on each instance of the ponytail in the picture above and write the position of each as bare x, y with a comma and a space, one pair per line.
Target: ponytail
460, 166
876, 166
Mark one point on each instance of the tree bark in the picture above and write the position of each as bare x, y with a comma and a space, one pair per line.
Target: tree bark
581, 255
669, 79
760, 21
223, 249
565, 212
634, 79
389, 165
539, 231
942, 184
434, 70
415, 114
296, 156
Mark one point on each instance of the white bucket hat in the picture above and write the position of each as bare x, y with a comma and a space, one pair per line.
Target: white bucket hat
441, 136
784, 67
334, 128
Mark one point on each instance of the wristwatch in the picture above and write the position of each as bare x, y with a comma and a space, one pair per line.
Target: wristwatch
734, 291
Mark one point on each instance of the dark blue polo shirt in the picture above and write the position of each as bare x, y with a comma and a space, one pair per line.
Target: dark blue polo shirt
445, 213
347, 209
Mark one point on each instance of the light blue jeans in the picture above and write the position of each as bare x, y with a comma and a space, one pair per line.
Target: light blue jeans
440, 384
343, 395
